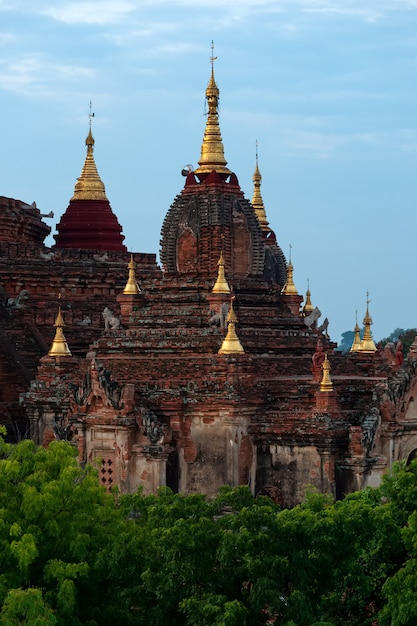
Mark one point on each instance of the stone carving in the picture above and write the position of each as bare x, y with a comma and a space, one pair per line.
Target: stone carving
85, 322
47, 256
319, 355
369, 428
63, 433
323, 327
399, 354
154, 431
101, 258
111, 322
20, 301
219, 319
311, 319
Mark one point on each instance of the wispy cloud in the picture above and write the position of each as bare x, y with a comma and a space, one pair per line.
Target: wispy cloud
91, 12
32, 75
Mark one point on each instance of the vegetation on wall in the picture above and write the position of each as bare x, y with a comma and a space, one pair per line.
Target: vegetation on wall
72, 554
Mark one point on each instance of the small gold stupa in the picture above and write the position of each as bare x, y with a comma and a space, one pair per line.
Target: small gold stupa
59, 345
132, 287
221, 285
231, 343
356, 345
367, 343
289, 289
326, 383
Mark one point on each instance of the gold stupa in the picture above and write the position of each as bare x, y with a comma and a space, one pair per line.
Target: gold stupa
221, 285
132, 287
367, 343
231, 343
356, 345
212, 151
326, 383
89, 185
59, 345
257, 201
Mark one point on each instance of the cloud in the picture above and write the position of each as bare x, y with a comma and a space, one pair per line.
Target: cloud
91, 12
32, 76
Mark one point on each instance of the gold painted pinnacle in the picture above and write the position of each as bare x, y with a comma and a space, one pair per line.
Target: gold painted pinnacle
59, 345
231, 343
326, 383
212, 151
89, 185
132, 288
221, 285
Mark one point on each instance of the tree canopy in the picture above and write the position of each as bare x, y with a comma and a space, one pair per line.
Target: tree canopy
71, 553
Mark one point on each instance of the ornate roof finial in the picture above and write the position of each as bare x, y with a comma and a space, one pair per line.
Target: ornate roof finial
231, 343
308, 307
356, 345
257, 202
212, 151
326, 383
221, 285
59, 345
132, 287
89, 185
367, 343
289, 287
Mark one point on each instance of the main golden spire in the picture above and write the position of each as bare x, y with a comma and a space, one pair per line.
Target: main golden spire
132, 287
231, 343
89, 185
289, 287
367, 343
59, 345
221, 285
212, 151
257, 202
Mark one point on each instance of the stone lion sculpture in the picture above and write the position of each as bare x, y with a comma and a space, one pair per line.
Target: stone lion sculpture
312, 318
111, 322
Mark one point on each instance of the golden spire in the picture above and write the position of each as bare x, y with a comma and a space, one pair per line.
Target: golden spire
356, 345
308, 307
59, 345
257, 202
326, 383
221, 285
89, 185
132, 288
367, 343
212, 151
289, 288
231, 343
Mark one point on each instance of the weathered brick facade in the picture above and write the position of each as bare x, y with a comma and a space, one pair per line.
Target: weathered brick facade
146, 393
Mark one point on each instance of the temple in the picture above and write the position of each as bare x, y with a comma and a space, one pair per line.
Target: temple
205, 371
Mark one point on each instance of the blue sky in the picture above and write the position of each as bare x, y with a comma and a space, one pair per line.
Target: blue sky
328, 88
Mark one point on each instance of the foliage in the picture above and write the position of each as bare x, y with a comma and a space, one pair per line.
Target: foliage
72, 554
406, 336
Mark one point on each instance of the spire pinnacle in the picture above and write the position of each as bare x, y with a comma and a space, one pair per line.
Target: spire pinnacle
257, 202
356, 345
59, 345
221, 285
326, 383
212, 151
89, 185
231, 343
132, 287
289, 287
308, 307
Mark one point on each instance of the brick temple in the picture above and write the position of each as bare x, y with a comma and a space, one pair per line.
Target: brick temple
204, 371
